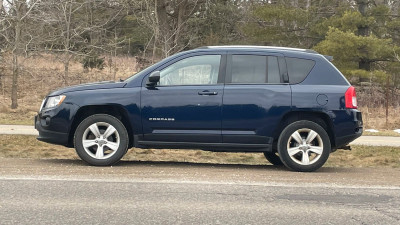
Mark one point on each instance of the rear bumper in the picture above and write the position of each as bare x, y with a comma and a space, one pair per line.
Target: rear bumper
343, 141
354, 129
50, 136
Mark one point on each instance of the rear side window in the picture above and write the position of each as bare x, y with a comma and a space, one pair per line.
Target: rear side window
254, 69
298, 69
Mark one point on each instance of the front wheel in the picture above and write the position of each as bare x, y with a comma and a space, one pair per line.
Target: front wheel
101, 140
304, 146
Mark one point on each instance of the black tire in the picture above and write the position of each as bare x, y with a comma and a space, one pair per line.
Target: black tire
114, 145
309, 155
273, 158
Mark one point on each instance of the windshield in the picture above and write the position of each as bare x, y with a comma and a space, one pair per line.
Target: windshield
151, 68
139, 73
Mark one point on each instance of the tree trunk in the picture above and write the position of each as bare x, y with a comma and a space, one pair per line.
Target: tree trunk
363, 30
66, 67
180, 22
67, 46
1, 83
163, 26
1, 75
156, 30
308, 4
14, 87
387, 100
364, 64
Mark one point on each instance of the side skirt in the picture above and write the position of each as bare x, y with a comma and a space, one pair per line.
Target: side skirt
217, 147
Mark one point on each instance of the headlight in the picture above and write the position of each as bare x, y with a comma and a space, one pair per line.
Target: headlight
54, 101
41, 105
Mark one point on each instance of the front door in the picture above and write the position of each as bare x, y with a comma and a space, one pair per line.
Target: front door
185, 106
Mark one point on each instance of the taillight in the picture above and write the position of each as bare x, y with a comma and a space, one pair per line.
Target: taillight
350, 98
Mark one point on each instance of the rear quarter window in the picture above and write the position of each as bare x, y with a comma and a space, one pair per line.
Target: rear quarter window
298, 69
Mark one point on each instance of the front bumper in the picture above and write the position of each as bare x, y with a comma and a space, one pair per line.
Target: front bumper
50, 136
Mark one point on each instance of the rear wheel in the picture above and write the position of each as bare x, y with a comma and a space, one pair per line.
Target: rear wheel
304, 146
101, 140
273, 158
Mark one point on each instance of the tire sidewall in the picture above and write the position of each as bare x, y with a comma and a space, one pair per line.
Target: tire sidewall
283, 140
117, 124
273, 158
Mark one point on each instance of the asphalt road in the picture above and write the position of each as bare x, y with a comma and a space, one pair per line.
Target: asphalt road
69, 192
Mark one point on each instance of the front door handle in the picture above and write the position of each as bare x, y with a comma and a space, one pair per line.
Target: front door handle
207, 92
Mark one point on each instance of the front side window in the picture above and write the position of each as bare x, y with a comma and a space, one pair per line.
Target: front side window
254, 69
196, 70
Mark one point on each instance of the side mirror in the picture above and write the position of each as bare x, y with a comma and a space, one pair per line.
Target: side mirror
154, 78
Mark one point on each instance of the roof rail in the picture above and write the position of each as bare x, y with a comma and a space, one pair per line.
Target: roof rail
260, 47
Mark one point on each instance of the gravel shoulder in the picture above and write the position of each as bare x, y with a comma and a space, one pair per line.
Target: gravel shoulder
18, 129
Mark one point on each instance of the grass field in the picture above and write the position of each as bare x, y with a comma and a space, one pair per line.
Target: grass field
18, 146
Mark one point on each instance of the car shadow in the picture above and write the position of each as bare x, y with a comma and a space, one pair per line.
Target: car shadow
182, 165
193, 164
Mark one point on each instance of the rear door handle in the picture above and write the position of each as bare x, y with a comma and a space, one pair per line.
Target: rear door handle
206, 92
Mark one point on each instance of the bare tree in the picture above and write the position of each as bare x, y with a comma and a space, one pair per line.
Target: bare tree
169, 21
17, 35
76, 30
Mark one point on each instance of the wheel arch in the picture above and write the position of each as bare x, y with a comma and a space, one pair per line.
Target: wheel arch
321, 118
117, 111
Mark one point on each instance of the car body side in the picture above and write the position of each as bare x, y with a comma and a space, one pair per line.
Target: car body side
269, 107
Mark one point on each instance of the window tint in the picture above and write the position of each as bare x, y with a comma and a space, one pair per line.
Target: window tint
197, 70
255, 69
249, 69
298, 69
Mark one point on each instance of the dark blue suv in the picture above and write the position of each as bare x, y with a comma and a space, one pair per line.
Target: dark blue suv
291, 104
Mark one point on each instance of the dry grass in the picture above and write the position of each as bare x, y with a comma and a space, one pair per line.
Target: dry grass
375, 118
366, 156
21, 116
40, 75
18, 146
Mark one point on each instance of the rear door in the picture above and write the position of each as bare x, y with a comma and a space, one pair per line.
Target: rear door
185, 106
256, 95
